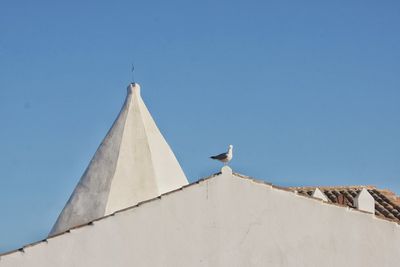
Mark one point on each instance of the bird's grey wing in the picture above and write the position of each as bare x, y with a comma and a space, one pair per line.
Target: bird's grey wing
220, 156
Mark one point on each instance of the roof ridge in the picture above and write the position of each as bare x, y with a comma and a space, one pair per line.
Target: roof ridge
335, 187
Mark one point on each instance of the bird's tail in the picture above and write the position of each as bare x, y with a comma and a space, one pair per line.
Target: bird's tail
213, 157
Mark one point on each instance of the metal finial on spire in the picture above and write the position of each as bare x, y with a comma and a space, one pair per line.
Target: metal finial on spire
132, 70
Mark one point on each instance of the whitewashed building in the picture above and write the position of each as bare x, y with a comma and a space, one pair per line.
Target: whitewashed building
133, 207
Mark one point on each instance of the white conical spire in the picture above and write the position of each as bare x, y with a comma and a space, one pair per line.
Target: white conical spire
132, 164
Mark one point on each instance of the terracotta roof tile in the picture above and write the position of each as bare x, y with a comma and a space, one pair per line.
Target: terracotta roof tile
387, 204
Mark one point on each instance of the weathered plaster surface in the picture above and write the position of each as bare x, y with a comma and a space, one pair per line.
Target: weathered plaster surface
223, 221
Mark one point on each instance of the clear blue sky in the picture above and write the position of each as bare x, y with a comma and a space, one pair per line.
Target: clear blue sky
308, 92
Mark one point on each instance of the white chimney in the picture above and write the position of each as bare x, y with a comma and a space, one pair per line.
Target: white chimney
318, 194
364, 201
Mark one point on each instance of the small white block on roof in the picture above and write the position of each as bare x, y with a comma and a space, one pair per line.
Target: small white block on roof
364, 201
318, 194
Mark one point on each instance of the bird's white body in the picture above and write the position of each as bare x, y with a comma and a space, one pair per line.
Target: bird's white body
229, 155
225, 157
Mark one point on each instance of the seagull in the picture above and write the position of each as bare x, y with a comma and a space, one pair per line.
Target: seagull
224, 157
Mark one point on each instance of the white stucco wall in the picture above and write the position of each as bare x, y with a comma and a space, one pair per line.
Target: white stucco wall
223, 221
